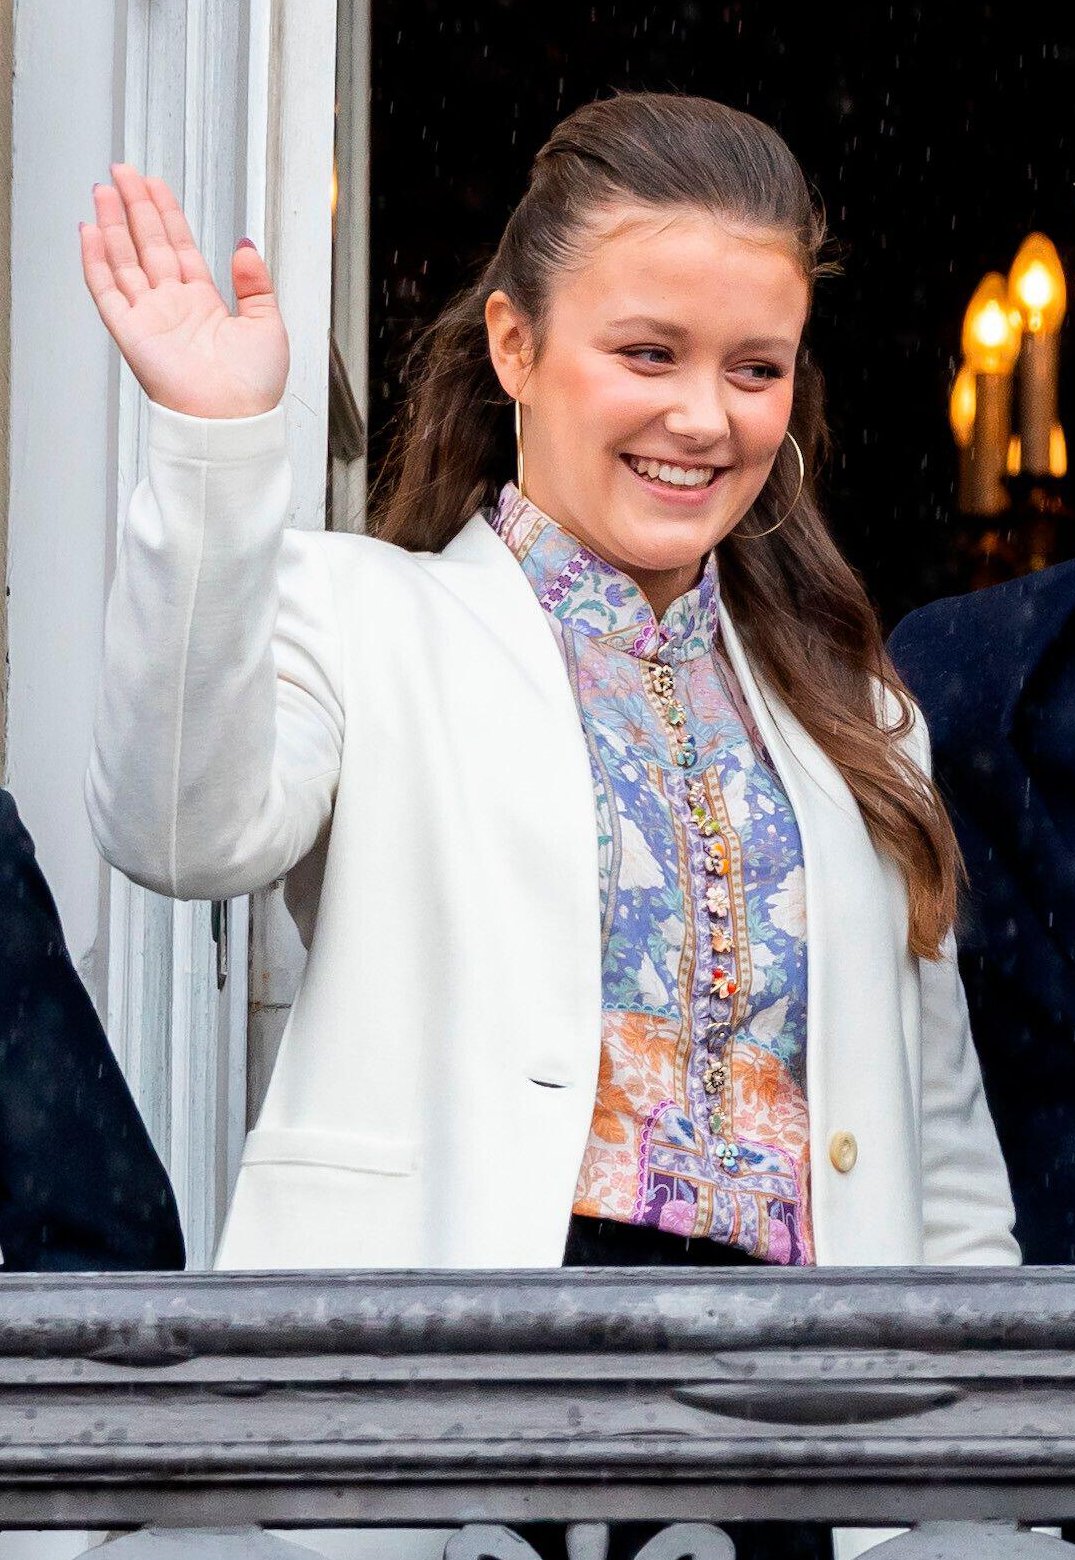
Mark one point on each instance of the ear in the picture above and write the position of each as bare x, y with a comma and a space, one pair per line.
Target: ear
511, 343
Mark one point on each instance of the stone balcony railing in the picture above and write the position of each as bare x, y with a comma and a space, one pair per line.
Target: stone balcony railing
859, 1397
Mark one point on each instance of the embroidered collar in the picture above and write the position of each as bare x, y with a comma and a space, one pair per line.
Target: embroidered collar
592, 597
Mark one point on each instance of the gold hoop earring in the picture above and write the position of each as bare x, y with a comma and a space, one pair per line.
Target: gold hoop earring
753, 536
520, 466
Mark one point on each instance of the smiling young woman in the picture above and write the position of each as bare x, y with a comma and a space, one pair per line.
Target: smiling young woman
660, 397
606, 819
646, 306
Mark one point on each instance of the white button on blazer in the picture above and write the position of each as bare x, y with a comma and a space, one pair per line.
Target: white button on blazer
396, 733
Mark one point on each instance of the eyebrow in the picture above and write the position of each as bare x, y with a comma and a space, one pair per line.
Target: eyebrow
767, 343
648, 322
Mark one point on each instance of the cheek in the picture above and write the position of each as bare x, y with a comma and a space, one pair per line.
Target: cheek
598, 403
764, 422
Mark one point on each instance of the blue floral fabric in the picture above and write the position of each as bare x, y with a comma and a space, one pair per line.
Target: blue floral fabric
700, 1124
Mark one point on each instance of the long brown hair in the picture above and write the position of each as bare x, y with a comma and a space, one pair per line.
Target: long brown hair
801, 610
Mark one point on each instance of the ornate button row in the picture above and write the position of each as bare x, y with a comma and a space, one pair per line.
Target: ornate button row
664, 686
716, 1073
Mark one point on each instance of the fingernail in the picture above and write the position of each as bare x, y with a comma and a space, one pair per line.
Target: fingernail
246, 243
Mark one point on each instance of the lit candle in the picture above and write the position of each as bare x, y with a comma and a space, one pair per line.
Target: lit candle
1037, 289
1058, 452
961, 405
992, 330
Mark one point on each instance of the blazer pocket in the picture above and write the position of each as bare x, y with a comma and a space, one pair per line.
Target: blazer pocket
333, 1150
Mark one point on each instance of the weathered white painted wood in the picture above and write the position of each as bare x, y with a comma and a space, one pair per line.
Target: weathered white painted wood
298, 229
351, 258
277, 959
188, 89
232, 1056
181, 1040
61, 480
138, 1017
294, 41
61, 494
7, 77
257, 117
272, 977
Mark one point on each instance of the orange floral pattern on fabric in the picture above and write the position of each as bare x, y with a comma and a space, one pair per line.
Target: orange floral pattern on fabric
637, 1053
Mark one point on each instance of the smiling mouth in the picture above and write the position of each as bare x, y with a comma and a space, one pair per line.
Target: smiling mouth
673, 476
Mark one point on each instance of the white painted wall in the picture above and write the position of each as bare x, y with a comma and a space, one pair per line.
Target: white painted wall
63, 383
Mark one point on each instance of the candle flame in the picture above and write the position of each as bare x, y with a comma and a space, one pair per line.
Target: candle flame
1015, 455
1037, 286
962, 404
1058, 452
992, 329
991, 326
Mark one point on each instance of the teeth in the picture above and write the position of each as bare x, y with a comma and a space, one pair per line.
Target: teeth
675, 476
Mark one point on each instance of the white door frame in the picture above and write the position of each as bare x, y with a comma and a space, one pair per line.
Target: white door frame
61, 497
292, 128
232, 102
183, 67
243, 132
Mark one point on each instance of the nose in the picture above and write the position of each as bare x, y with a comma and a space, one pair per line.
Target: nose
698, 413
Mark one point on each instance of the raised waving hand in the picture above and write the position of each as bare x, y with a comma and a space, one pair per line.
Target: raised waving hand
155, 294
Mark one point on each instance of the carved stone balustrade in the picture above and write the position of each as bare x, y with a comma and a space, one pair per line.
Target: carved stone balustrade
584, 1396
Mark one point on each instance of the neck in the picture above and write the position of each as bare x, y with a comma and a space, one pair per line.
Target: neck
659, 586
662, 586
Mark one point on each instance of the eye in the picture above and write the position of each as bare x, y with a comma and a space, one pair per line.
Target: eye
652, 357
760, 373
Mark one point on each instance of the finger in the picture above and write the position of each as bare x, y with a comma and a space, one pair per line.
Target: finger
119, 248
192, 267
156, 255
112, 306
250, 277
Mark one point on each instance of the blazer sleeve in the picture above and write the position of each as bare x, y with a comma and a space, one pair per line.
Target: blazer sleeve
219, 725
81, 1186
968, 1216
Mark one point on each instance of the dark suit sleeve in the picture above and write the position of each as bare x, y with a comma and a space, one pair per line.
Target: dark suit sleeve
81, 1187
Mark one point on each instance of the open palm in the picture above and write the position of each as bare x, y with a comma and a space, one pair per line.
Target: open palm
155, 294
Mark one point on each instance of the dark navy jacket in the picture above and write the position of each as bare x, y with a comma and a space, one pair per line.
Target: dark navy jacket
995, 674
80, 1184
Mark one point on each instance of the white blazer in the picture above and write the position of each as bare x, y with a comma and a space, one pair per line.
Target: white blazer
395, 733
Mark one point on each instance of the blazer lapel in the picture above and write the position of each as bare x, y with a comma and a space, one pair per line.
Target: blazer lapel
536, 724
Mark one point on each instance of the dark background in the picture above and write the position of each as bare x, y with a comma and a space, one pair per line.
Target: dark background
937, 138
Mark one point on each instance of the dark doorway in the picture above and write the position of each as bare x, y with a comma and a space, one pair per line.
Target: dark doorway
937, 136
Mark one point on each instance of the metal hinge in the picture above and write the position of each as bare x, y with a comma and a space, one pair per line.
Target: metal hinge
219, 925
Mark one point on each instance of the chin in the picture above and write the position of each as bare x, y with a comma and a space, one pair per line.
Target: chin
654, 565
690, 545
